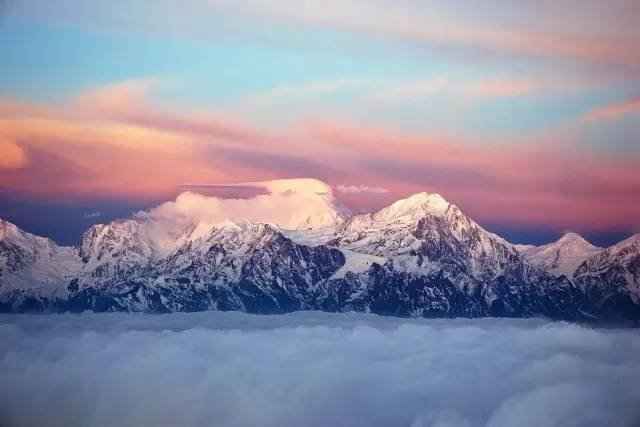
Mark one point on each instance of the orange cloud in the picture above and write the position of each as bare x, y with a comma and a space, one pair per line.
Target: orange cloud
83, 153
116, 99
129, 102
11, 155
113, 142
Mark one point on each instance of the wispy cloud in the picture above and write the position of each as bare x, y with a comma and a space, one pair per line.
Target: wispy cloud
390, 92
613, 111
501, 88
92, 215
358, 189
313, 89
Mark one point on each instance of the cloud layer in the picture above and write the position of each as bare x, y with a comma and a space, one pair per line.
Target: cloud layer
313, 369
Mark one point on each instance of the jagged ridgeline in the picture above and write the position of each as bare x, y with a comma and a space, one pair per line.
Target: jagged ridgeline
295, 248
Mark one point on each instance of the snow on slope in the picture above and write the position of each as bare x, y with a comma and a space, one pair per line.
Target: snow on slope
562, 257
357, 263
618, 264
32, 262
390, 230
412, 208
197, 241
522, 247
428, 230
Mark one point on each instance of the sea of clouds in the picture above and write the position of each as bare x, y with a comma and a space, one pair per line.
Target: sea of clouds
313, 369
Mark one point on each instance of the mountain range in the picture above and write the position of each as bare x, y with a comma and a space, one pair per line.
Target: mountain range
294, 247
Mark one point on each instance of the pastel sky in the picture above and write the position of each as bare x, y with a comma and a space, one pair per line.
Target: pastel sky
524, 113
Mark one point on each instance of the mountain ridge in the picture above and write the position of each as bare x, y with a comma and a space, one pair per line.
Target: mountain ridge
562, 257
419, 256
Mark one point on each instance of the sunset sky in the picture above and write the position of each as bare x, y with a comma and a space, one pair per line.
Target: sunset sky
526, 114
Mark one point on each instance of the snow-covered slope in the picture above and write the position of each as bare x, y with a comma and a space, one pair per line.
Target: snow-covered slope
425, 231
303, 205
613, 272
29, 262
297, 205
562, 257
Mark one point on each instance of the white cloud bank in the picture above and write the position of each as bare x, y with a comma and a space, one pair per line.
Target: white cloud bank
312, 369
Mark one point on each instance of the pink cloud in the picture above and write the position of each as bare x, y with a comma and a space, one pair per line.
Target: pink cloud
541, 182
613, 111
136, 149
504, 88
129, 102
361, 188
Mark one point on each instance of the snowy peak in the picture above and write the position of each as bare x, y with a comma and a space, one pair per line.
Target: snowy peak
29, 262
617, 266
632, 242
623, 253
117, 240
574, 240
417, 205
290, 204
291, 246
425, 232
12, 234
562, 257
6, 228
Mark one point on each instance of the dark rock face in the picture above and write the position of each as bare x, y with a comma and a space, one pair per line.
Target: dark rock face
15, 258
384, 291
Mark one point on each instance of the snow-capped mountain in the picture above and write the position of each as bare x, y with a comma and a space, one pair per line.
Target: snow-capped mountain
562, 257
294, 204
611, 278
295, 248
425, 229
34, 264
